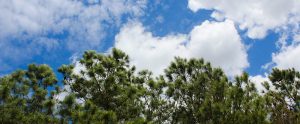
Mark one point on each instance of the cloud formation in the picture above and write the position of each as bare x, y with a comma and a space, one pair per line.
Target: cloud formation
257, 17
216, 42
74, 25
288, 57
82, 21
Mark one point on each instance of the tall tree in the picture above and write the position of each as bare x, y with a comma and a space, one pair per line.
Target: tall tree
196, 91
246, 105
284, 99
108, 82
25, 97
156, 109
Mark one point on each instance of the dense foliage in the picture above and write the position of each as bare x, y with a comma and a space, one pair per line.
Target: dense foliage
107, 89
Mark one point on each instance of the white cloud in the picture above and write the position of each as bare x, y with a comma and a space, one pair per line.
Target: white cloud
288, 57
255, 16
217, 42
147, 51
258, 80
297, 38
30, 26
258, 17
31, 18
220, 44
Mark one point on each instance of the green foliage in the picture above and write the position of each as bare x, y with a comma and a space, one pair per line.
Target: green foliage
246, 105
284, 99
25, 97
106, 89
196, 92
108, 82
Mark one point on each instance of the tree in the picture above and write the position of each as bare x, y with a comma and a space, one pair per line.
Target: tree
156, 109
284, 100
111, 91
245, 104
196, 91
108, 82
25, 97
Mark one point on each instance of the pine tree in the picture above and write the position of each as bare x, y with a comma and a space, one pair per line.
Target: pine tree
110, 91
108, 82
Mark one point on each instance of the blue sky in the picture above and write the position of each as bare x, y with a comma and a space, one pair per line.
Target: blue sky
251, 36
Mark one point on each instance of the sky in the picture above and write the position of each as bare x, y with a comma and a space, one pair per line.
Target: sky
238, 36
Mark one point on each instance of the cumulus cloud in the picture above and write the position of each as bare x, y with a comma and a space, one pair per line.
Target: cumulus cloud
147, 51
288, 57
255, 16
82, 21
73, 25
217, 42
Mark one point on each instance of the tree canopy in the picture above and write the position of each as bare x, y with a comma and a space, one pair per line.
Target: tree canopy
107, 89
